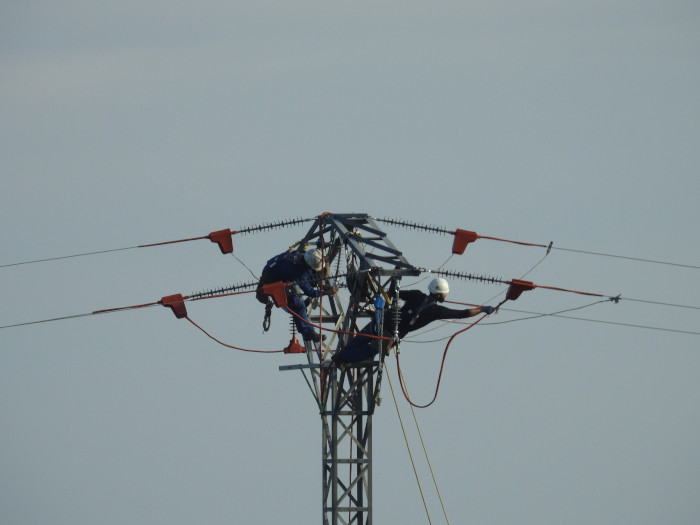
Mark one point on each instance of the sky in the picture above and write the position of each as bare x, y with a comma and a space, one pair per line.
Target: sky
128, 123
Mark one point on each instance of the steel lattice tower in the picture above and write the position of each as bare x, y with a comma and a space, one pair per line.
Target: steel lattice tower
347, 395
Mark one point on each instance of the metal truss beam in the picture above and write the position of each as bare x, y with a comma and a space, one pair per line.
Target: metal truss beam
347, 395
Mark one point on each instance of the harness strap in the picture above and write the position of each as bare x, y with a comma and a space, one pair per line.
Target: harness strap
425, 304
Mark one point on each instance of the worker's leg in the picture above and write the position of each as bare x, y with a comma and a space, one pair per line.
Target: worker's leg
296, 305
361, 348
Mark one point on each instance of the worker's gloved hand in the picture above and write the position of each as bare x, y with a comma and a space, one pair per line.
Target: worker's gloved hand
488, 310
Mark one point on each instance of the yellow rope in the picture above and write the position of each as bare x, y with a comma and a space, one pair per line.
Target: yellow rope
425, 451
415, 472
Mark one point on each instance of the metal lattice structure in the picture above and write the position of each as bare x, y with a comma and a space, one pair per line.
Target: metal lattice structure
347, 395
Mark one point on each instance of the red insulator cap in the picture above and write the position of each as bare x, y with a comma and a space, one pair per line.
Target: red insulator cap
176, 303
277, 292
462, 238
517, 287
224, 238
294, 347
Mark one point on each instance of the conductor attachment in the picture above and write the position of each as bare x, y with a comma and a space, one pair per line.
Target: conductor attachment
462, 239
176, 303
277, 292
517, 287
294, 347
224, 238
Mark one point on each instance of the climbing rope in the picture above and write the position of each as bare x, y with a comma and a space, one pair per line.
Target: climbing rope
430, 466
408, 447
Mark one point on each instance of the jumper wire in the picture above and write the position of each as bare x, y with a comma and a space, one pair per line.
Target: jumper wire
442, 364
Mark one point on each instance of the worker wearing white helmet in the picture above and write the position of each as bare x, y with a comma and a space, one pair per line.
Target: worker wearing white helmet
418, 310
439, 286
300, 269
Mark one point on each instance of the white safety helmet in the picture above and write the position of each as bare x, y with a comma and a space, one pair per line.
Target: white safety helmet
438, 286
313, 258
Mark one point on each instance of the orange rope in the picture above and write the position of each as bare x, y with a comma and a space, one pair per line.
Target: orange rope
442, 364
231, 346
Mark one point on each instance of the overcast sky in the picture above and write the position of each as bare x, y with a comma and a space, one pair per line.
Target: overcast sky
127, 123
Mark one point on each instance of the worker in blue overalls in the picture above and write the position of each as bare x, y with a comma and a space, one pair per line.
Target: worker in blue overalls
301, 270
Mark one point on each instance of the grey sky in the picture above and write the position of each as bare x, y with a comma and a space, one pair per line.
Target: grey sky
125, 124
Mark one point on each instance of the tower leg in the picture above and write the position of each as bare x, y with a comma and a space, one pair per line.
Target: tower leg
347, 445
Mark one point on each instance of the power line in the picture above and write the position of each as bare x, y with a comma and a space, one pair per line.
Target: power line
464, 237
537, 315
660, 303
222, 237
640, 259
75, 316
630, 325
46, 320
67, 256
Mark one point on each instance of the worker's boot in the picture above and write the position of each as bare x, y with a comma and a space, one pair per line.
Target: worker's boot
313, 336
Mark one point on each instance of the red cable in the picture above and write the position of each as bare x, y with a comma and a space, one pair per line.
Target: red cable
442, 364
108, 310
513, 242
231, 346
570, 291
171, 242
334, 331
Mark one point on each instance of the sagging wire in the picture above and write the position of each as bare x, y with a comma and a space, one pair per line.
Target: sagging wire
549, 249
257, 278
442, 364
232, 346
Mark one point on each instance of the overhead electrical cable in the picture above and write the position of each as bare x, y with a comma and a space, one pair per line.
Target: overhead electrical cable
662, 304
455, 321
537, 315
617, 323
639, 259
47, 320
465, 237
516, 283
221, 237
67, 256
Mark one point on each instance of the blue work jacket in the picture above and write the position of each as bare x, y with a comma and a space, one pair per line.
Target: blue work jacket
290, 267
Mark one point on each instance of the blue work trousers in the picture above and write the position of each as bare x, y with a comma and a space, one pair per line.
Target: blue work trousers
362, 347
295, 304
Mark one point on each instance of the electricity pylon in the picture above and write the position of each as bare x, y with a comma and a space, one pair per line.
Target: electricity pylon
347, 395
